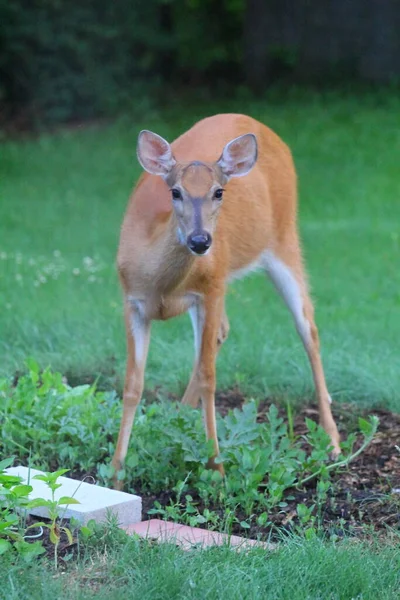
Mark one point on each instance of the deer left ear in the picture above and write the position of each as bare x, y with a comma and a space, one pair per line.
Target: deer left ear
239, 156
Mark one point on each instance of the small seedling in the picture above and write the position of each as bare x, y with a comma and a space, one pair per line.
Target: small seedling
53, 507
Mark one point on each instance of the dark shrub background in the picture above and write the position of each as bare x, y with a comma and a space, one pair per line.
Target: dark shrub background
64, 60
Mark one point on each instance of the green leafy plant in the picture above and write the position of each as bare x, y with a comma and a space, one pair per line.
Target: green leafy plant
54, 508
48, 422
14, 499
15, 502
184, 510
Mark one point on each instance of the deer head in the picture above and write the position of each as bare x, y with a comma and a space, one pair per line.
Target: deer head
197, 188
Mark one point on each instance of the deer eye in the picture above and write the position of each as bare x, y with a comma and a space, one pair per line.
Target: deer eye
218, 194
176, 194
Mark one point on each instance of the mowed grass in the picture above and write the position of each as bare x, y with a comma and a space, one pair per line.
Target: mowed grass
63, 198
132, 569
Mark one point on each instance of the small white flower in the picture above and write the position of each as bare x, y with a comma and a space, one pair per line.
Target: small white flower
76, 271
87, 261
36, 283
3, 255
91, 278
57, 253
32, 261
18, 277
42, 279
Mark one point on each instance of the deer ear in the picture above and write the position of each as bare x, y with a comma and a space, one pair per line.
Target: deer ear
239, 156
154, 153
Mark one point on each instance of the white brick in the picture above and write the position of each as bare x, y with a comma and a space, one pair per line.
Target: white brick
95, 501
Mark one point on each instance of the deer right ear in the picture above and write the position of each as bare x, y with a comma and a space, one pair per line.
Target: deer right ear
154, 154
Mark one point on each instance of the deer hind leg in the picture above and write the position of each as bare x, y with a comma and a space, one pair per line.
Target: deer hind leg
138, 338
286, 272
196, 312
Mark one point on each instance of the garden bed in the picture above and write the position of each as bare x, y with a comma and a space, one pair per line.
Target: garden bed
365, 496
279, 476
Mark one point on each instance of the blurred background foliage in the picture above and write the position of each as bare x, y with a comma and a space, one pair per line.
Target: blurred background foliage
66, 60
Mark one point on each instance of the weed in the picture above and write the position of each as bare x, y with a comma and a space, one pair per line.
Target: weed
53, 507
15, 502
14, 499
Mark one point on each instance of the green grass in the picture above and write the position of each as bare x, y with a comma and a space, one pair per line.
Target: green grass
132, 569
68, 192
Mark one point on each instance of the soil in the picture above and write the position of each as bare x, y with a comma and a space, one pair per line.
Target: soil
65, 550
365, 496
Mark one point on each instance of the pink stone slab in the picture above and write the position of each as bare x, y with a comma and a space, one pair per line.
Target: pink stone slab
187, 537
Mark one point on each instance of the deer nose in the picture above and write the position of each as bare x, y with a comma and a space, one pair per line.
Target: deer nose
199, 243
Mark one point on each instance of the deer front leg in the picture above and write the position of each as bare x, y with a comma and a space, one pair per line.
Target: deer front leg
223, 329
138, 337
209, 314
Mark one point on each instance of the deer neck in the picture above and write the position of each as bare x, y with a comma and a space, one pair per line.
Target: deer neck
175, 262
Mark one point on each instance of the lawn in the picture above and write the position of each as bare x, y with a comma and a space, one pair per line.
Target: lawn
297, 571
62, 201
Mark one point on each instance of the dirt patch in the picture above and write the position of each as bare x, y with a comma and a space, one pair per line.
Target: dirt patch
65, 549
365, 497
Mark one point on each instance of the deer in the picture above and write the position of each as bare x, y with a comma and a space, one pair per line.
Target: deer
219, 202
